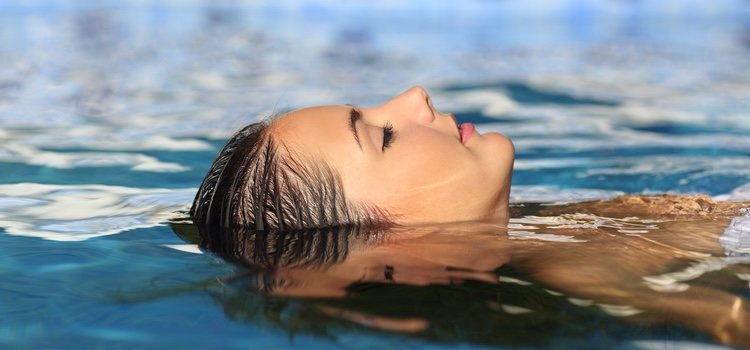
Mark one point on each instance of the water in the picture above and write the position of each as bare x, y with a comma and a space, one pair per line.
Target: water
110, 114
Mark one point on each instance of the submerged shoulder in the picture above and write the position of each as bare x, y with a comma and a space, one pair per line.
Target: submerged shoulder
677, 205
667, 205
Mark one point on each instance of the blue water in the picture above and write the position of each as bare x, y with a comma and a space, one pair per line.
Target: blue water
111, 112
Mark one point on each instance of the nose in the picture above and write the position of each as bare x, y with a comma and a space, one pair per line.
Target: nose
412, 105
414, 97
416, 92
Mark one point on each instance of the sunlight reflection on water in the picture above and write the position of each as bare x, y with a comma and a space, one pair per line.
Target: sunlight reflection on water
111, 112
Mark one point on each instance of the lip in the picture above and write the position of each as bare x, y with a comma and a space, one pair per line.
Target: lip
466, 130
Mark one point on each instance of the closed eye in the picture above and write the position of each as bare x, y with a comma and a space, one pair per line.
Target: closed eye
389, 135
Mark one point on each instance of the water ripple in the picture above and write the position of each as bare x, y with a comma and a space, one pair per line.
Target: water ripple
80, 212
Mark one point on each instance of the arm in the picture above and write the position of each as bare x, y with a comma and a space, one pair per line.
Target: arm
613, 267
662, 206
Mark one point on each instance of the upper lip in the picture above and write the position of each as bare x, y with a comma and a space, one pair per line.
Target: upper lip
458, 127
451, 115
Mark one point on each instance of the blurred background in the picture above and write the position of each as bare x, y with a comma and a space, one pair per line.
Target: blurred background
111, 112
631, 96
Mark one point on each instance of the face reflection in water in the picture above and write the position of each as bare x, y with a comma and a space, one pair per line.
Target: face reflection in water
554, 267
406, 157
416, 256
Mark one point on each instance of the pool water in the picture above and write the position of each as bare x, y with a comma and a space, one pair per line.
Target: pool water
111, 112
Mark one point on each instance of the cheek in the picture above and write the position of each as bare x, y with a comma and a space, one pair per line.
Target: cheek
431, 164
424, 167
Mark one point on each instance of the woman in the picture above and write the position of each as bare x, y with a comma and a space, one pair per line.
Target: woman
311, 197
402, 162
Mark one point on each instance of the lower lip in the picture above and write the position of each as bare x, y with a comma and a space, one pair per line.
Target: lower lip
467, 130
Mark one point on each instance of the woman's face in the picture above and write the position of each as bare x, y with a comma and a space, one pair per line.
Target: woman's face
406, 157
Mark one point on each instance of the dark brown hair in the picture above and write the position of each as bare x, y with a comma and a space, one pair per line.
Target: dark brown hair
257, 183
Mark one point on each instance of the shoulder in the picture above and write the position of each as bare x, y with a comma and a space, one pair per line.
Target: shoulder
661, 206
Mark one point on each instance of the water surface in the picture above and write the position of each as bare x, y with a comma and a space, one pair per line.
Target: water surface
111, 112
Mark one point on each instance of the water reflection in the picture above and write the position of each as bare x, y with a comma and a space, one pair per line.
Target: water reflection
607, 271
326, 262
672, 269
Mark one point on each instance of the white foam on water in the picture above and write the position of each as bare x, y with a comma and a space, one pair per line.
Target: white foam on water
536, 221
125, 138
532, 138
550, 163
539, 227
664, 284
739, 194
506, 279
619, 310
548, 237
556, 195
699, 166
68, 160
80, 212
675, 281
581, 302
736, 237
187, 248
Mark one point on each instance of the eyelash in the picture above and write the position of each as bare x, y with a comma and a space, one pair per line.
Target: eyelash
388, 135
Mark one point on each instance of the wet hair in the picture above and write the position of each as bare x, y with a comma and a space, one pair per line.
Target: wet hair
263, 253
258, 183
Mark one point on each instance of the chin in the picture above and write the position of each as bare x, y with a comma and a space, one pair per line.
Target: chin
501, 143
502, 155
507, 154
499, 154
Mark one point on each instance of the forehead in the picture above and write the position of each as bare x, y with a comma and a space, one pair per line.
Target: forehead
310, 119
323, 130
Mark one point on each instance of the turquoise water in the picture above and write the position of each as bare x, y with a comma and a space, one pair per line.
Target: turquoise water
110, 114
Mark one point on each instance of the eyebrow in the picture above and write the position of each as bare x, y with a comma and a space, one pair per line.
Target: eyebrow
354, 116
